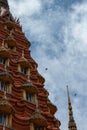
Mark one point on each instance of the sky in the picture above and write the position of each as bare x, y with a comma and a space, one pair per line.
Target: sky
57, 30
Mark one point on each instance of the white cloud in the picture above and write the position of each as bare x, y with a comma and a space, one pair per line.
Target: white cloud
25, 7
60, 40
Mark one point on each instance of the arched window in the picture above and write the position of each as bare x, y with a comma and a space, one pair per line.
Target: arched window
9, 25
4, 55
23, 65
10, 42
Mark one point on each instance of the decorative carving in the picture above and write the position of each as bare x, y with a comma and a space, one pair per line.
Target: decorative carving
38, 119
5, 106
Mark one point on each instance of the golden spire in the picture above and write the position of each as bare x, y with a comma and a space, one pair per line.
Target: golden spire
71, 124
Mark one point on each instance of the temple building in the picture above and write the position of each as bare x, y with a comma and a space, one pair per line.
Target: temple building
24, 102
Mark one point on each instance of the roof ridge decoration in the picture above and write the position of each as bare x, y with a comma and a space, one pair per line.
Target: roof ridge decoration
4, 75
71, 124
5, 105
37, 117
10, 39
22, 58
4, 51
29, 86
2, 46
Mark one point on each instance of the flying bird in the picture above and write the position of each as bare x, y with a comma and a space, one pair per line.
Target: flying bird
46, 68
75, 94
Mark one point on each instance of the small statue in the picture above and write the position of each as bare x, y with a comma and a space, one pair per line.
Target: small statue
4, 8
18, 21
2, 11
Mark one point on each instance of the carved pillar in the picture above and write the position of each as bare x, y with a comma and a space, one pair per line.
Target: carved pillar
31, 126
24, 94
19, 68
10, 121
28, 71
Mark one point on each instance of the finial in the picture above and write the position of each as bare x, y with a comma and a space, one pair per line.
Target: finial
5, 68
23, 54
11, 32
68, 94
3, 43
67, 90
28, 77
2, 46
5, 97
71, 124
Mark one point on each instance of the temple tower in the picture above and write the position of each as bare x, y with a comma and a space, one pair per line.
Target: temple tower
71, 124
24, 102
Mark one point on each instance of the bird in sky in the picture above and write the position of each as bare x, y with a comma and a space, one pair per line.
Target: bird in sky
75, 94
46, 68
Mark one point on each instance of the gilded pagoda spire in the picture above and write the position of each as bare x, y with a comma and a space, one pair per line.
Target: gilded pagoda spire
71, 124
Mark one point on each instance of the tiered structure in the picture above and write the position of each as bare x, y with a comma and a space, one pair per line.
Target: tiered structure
71, 124
24, 103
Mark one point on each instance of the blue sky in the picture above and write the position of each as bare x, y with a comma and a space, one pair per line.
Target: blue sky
57, 30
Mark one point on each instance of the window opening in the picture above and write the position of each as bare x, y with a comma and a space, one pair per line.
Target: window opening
38, 127
2, 60
29, 97
2, 86
10, 47
3, 118
23, 70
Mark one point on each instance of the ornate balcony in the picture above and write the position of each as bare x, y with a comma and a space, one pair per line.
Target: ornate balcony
23, 61
6, 77
29, 87
4, 53
5, 106
9, 25
38, 119
51, 107
10, 42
